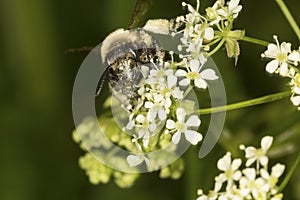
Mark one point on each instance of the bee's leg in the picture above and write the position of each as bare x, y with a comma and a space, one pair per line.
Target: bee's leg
101, 82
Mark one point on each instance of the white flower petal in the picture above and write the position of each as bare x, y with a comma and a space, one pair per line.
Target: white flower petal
148, 104
250, 173
146, 140
170, 124
152, 127
264, 174
233, 3
134, 160
130, 125
224, 163
193, 136
184, 82
237, 175
168, 103
162, 114
209, 33
266, 142
222, 12
195, 65
172, 80
169, 72
200, 83
176, 137
237, 9
294, 56
272, 66
180, 72
177, 93
193, 121
250, 161
153, 72
202, 59
236, 163
295, 100
277, 170
209, 74
285, 47
284, 70
272, 51
140, 118
180, 113
250, 152
151, 115
264, 160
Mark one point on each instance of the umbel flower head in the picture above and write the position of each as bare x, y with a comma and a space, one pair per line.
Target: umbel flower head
285, 63
253, 183
202, 32
282, 56
160, 93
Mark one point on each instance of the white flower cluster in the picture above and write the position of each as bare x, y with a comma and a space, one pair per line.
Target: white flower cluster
159, 109
284, 62
252, 182
200, 32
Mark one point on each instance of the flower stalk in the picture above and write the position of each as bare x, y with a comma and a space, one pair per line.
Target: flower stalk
247, 103
289, 17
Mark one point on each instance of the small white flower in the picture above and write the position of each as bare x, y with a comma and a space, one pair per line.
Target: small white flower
146, 127
204, 31
296, 101
252, 185
282, 56
157, 107
233, 9
135, 160
195, 75
272, 178
169, 88
259, 155
295, 83
212, 12
156, 76
131, 122
182, 126
230, 169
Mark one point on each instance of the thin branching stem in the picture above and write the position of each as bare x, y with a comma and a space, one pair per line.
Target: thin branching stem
247, 103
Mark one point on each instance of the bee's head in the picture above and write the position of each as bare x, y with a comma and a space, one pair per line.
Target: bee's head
125, 43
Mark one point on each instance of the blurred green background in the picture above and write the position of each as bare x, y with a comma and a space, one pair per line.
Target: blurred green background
38, 159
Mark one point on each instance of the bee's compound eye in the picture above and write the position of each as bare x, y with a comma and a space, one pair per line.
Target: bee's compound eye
144, 58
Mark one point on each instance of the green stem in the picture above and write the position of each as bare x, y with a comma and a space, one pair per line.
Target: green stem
247, 103
187, 91
217, 47
255, 41
214, 42
289, 174
289, 17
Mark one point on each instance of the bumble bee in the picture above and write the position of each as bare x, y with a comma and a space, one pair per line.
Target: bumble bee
123, 53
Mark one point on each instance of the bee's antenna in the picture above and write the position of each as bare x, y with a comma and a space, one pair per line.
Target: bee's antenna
84, 49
